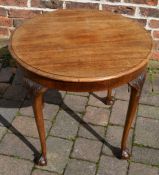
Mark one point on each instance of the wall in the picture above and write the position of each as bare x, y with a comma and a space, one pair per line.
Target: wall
14, 12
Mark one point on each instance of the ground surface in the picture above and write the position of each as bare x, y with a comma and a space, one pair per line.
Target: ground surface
75, 147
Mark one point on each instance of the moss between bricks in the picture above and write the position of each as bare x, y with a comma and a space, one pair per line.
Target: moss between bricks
153, 70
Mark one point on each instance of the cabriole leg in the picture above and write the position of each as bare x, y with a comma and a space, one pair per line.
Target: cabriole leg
136, 88
38, 92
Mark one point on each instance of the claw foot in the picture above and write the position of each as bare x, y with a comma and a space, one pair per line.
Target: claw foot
41, 161
125, 154
109, 101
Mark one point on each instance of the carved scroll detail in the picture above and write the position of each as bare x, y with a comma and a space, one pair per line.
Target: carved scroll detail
138, 82
33, 86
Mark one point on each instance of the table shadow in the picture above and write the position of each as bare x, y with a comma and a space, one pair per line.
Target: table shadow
115, 150
102, 99
9, 126
54, 97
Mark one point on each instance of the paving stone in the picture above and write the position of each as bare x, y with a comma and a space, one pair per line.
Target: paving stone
7, 114
26, 107
15, 92
148, 97
147, 85
49, 111
122, 93
83, 132
63, 93
4, 103
53, 96
18, 78
41, 172
119, 112
77, 167
85, 94
155, 82
140, 169
65, 126
27, 111
23, 147
112, 166
103, 94
3, 131
14, 166
6, 74
3, 87
145, 155
84, 148
8, 110
148, 111
97, 116
113, 137
76, 103
146, 132
27, 126
58, 151
98, 102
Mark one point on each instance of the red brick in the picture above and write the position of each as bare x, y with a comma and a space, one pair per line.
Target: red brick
23, 13
14, 2
154, 23
82, 5
156, 34
149, 12
4, 32
148, 2
119, 9
4, 21
3, 12
53, 4
141, 21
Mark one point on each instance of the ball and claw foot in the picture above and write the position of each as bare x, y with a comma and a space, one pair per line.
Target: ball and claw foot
125, 154
109, 101
41, 161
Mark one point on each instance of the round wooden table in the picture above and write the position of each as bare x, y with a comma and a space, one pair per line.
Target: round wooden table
82, 50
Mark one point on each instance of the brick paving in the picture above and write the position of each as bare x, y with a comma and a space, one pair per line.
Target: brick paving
75, 130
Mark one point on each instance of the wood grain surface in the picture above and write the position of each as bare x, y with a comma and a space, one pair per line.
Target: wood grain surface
81, 46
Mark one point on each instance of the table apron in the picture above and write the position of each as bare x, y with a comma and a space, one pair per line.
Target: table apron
81, 86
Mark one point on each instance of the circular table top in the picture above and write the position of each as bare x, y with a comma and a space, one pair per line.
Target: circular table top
81, 45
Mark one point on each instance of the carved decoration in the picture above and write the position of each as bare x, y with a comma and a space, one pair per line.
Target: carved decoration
125, 154
33, 86
138, 82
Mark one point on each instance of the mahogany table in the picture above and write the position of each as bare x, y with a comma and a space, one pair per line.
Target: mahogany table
82, 51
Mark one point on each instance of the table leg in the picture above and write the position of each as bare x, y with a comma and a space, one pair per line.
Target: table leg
109, 98
136, 88
38, 92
